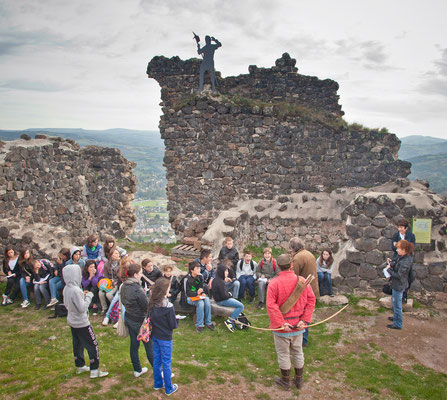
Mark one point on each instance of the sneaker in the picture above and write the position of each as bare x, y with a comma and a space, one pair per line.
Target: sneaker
37, 307
158, 388
138, 374
105, 321
252, 299
25, 303
229, 325
178, 316
115, 326
332, 295
391, 319
210, 327
4, 300
95, 312
96, 373
174, 389
53, 302
80, 370
261, 305
393, 327
9, 301
199, 329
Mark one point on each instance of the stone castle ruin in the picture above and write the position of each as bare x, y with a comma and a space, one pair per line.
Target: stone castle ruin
269, 156
54, 194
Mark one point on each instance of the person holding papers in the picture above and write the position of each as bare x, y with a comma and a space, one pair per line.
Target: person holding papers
43, 271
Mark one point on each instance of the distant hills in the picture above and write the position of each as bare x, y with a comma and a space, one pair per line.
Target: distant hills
428, 155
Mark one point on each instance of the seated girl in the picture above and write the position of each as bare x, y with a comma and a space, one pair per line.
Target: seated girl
25, 262
90, 279
110, 244
13, 274
224, 298
325, 265
75, 257
92, 250
42, 273
57, 283
111, 270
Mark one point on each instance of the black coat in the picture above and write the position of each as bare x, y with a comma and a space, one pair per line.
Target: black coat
399, 273
134, 299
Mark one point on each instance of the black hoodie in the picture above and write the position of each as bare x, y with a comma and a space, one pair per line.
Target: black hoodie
220, 292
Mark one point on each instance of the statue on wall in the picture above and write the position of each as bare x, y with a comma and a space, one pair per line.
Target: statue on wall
207, 52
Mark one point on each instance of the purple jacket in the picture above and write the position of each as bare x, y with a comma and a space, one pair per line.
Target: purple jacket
86, 283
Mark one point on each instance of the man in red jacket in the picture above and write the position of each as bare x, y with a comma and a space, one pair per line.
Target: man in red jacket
289, 340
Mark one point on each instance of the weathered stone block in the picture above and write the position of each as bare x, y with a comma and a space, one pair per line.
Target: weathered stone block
355, 257
437, 268
375, 257
372, 232
367, 271
354, 231
348, 269
433, 284
365, 244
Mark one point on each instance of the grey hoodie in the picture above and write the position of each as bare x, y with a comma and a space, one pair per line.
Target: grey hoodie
74, 299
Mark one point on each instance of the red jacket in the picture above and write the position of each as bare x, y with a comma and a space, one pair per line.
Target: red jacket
278, 292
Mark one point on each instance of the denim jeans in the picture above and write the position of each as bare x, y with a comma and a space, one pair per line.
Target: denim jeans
396, 299
233, 287
162, 357
56, 284
324, 278
134, 329
238, 306
306, 336
203, 308
41, 290
247, 280
24, 285
262, 284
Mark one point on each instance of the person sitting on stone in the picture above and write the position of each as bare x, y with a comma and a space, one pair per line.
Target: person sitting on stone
26, 266
57, 283
150, 274
109, 244
231, 283
42, 273
13, 274
195, 296
92, 250
266, 272
403, 233
223, 298
229, 251
325, 265
111, 271
90, 278
75, 257
246, 275
206, 269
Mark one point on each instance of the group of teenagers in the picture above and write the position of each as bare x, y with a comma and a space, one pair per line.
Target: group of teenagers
145, 290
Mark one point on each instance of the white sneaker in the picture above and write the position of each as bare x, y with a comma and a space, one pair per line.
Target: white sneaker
80, 370
105, 321
96, 373
115, 326
5, 297
9, 301
138, 374
25, 303
52, 302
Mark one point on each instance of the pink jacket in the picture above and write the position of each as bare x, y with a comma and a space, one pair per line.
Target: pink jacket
279, 290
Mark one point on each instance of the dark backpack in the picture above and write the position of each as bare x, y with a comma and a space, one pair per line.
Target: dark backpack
59, 311
243, 319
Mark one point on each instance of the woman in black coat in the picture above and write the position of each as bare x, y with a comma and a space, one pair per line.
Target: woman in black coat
399, 271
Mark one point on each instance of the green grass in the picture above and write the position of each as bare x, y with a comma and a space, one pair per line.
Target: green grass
35, 367
150, 203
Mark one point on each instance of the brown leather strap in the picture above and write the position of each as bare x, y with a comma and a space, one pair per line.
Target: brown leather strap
293, 298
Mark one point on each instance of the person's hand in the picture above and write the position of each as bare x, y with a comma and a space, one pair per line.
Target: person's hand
227, 279
301, 325
9, 273
27, 279
200, 291
55, 273
59, 261
287, 327
85, 292
209, 267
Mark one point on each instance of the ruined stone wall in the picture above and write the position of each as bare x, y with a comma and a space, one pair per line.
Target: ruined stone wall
272, 132
52, 192
370, 224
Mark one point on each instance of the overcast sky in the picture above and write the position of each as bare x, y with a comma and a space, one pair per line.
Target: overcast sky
82, 64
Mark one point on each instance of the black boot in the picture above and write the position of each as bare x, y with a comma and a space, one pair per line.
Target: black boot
298, 380
284, 381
